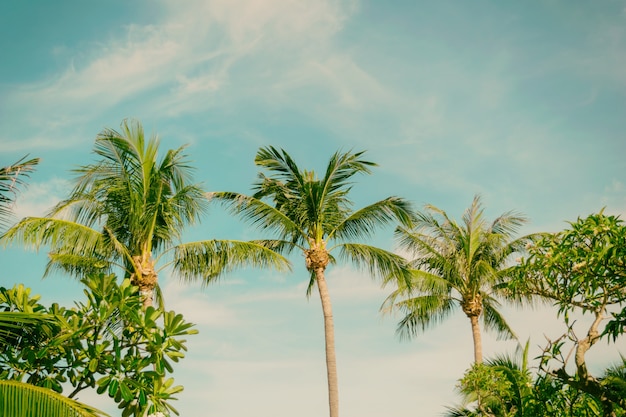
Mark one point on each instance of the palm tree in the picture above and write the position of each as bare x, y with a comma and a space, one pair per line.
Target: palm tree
128, 210
456, 265
307, 214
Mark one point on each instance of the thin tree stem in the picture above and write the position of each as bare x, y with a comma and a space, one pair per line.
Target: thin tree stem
329, 332
478, 344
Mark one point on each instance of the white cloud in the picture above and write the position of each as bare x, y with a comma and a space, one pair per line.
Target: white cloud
191, 55
38, 198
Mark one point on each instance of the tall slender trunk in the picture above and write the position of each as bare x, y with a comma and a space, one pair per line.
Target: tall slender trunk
478, 344
329, 336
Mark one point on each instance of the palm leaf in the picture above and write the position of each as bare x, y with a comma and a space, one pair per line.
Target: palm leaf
460, 412
422, 312
378, 262
363, 222
213, 258
494, 321
11, 178
279, 162
12, 323
18, 399
37, 231
259, 213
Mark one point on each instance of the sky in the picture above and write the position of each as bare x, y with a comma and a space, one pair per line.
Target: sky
523, 103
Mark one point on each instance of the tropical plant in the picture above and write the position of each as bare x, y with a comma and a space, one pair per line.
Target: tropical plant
107, 343
11, 178
128, 210
505, 387
580, 269
501, 386
456, 265
314, 215
18, 399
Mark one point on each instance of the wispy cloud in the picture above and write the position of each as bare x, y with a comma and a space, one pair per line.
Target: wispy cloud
39, 197
194, 53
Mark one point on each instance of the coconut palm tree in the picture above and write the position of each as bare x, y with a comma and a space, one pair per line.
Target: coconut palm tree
456, 265
314, 216
128, 210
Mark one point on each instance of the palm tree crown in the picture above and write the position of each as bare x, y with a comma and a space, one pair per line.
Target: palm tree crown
456, 265
314, 215
127, 210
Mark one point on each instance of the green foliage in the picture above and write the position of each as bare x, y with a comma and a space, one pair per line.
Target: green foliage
553, 397
11, 178
18, 399
583, 267
107, 342
304, 211
617, 326
456, 265
127, 210
489, 387
504, 387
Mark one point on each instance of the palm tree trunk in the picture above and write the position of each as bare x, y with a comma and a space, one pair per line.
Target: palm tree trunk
329, 335
478, 344
144, 277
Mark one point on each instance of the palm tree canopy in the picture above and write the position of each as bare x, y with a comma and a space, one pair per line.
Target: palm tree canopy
320, 208
128, 203
127, 210
456, 266
308, 212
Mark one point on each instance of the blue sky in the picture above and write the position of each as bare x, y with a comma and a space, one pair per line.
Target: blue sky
521, 102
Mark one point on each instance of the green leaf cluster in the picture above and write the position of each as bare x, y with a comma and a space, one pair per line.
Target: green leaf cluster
582, 267
505, 387
108, 343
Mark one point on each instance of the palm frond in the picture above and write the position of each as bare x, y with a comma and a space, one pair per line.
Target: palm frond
422, 283
421, 313
309, 287
494, 321
362, 223
378, 262
59, 234
341, 167
209, 260
18, 399
614, 378
259, 214
280, 163
77, 265
12, 323
460, 412
11, 179
335, 185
